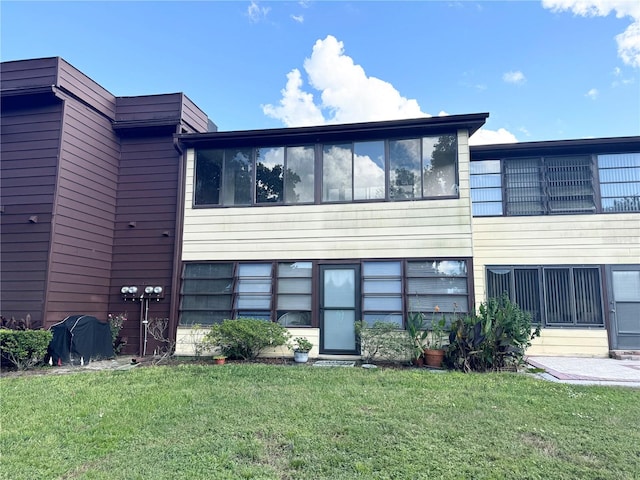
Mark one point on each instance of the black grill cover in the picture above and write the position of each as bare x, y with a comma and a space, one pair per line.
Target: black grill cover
80, 338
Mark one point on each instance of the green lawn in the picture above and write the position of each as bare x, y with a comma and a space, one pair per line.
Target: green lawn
287, 422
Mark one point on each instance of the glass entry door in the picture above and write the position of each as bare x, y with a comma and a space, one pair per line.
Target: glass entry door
339, 308
624, 296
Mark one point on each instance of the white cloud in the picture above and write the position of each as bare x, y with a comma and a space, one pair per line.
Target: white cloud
347, 94
298, 18
516, 77
592, 94
256, 13
628, 41
487, 137
297, 107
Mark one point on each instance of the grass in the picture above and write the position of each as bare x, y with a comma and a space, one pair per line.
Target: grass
285, 422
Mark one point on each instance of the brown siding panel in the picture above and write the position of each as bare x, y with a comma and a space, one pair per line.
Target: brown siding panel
28, 73
150, 107
85, 213
195, 118
30, 139
147, 195
76, 82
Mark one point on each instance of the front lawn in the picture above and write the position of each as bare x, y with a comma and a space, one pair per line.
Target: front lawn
287, 422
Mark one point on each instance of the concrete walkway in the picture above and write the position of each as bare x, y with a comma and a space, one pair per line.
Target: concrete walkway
589, 371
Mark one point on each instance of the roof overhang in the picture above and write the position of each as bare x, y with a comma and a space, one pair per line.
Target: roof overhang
338, 132
556, 147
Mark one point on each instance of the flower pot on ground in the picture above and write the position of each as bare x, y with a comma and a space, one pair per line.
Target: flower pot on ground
433, 357
301, 357
301, 347
220, 359
437, 334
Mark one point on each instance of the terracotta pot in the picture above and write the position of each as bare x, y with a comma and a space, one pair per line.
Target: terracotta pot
433, 358
220, 361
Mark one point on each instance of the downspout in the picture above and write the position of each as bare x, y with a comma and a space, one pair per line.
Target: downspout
178, 236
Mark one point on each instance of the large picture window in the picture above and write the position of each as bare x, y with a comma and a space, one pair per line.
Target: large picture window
375, 170
555, 296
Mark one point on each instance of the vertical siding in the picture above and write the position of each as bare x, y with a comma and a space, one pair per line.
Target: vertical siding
424, 228
82, 248
30, 139
147, 195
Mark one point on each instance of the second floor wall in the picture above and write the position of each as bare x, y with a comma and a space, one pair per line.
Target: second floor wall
424, 224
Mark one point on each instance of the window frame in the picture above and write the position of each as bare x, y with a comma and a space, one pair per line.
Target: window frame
544, 305
315, 287
318, 172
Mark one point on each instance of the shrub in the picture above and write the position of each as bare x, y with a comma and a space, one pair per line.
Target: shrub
494, 339
116, 322
382, 340
245, 338
24, 348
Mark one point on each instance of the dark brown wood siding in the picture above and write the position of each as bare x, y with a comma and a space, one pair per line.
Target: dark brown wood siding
84, 216
30, 140
28, 74
144, 254
87, 91
150, 108
194, 119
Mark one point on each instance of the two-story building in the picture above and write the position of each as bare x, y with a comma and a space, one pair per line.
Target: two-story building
313, 227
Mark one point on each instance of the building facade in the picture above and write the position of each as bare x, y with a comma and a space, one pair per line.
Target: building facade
313, 227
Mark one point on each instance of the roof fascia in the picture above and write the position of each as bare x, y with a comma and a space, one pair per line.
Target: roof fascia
556, 147
338, 132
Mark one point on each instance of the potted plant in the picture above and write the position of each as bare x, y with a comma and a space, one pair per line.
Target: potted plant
301, 347
219, 359
437, 333
417, 336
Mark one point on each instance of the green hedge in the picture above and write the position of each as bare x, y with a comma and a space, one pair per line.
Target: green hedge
24, 348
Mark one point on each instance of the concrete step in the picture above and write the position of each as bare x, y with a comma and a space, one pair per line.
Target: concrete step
625, 354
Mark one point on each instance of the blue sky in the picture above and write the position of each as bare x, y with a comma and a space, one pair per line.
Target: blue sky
544, 70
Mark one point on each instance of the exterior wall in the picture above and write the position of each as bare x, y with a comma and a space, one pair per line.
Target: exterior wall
570, 342
30, 141
187, 338
557, 240
425, 228
42, 72
143, 255
86, 90
84, 213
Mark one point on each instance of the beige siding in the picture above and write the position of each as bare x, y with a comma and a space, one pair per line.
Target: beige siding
440, 228
570, 342
554, 240
187, 338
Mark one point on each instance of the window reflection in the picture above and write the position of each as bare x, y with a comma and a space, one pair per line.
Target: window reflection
337, 173
404, 163
369, 174
238, 178
439, 166
299, 177
269, 175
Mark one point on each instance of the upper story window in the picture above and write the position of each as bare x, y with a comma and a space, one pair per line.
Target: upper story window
378, 170
540, 186
620, 182
556, 185
486, 188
